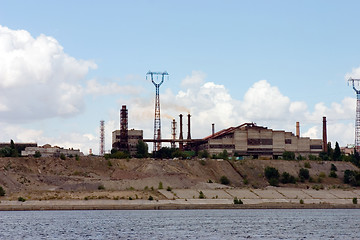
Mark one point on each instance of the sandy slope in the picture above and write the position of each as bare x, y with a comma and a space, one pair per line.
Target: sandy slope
53, 178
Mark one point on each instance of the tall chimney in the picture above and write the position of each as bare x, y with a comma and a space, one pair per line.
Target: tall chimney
189, 129
324, 135
213, 129
297, 129
181, 133
173, 133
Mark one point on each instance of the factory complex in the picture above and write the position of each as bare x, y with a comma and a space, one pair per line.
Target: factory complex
247, 139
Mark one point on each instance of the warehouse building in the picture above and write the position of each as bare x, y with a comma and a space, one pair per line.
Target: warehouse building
251, 140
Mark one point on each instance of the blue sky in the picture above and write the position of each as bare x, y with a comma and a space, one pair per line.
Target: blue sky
270, 62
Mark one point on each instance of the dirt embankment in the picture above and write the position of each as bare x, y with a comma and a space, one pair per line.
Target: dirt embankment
53, 178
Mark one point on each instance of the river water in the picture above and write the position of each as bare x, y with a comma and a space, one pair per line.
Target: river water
182, 224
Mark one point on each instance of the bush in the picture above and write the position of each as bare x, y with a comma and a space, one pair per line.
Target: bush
101, 187
301, 201
160, 185
2, 192
224, 180
274, 182
354, 200
322, 175
21, 199
168, 189
77, 158
307, 165
304, 173
237, 201
62, 156
333, 174
202, 162
352, 177
271, 172
333, 168
288, 155
201, 195
37, 154
203, 154
150, 198
287, 178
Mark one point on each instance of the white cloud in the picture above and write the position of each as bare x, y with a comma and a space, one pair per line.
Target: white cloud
355, 74
195, 79
96, 88
37, 78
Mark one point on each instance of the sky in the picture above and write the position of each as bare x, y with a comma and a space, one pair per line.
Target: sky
66, 65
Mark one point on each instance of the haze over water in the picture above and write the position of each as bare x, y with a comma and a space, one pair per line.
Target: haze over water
182, 224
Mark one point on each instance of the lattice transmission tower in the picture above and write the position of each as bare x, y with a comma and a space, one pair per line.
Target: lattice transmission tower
102, 138
157, 78
354, 83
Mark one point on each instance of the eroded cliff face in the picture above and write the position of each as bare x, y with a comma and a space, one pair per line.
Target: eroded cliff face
46, 178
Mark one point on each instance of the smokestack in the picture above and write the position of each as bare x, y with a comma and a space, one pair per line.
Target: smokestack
189, 129
173, 133
181, 133
324, 135
213, 129
297, 129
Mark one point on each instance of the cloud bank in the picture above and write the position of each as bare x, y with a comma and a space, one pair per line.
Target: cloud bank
38, 79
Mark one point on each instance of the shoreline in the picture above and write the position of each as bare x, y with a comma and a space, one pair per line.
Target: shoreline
61, 205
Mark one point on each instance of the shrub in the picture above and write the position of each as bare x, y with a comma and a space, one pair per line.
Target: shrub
237, 201
301, 201
37, 154
62, 156
77, 158
322, 175
160, 185
21, 199
352, 177
150, 198
354, 200
271, 172
210, 181
86, 198
202, 162
130, 198
287, 178
168, 189
274, 182
109, 163
2, 192
307, 165
201, 195
304, 173
333, 168
246, 181
224, 180
101, 187
333, 174
288, 155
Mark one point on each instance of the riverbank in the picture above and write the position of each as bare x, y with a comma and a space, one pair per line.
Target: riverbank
164, 205
270, 197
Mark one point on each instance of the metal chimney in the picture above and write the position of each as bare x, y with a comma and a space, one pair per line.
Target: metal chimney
324, 135
213, 129
189, 128
297, 129
181, 133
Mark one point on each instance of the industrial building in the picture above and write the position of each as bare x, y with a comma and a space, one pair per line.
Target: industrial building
133, 138
249, 139
48, 151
